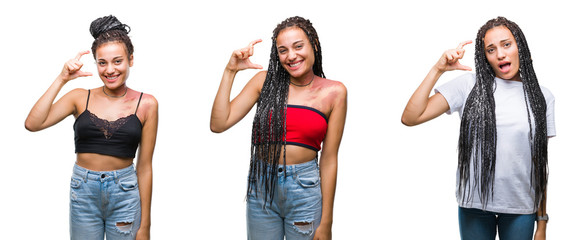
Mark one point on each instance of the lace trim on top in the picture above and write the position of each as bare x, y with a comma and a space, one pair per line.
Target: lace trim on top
108, 128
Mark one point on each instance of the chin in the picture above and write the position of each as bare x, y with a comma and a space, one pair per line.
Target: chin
506, 76
114, 85
298, 73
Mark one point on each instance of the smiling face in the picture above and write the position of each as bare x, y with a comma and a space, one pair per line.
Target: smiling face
295, 52
502, 53
113, 64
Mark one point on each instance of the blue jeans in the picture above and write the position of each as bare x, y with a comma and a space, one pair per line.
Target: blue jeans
476, 224
296, 209
101, 201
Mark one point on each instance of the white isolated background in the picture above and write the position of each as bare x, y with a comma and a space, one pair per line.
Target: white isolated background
394, 182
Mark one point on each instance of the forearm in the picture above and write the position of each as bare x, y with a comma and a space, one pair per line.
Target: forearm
418, 102
541, 225
144, 174
328, 174
222, 104
40, 111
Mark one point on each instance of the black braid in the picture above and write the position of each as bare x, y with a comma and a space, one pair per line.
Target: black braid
269, 125
477, 139
109, 29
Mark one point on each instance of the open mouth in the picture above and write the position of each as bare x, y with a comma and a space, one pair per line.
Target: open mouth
295, 65
504, 67
112, 78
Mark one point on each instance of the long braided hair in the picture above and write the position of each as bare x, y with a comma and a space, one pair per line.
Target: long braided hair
109, 29
477, 138
269, 125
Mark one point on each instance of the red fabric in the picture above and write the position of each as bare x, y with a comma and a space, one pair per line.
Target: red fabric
306, 127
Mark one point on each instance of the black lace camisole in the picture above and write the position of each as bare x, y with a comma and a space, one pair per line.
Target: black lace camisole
118, 138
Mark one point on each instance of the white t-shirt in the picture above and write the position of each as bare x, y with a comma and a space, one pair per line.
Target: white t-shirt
513, 192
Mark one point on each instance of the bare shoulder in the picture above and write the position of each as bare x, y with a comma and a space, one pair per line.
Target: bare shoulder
149, 102
259, 78
148, 107
255, 84
78, 98
335, 88
261, 74
78, 93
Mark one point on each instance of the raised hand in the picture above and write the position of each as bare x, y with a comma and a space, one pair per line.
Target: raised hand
240, 58
72, 68
449, 60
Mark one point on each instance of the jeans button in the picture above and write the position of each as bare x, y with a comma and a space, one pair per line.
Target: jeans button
280, 170
102, 175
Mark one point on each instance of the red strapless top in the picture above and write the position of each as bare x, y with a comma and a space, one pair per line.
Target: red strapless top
306, 127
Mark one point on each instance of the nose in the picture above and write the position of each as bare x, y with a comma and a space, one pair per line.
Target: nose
110, 69
292, 55
500, 54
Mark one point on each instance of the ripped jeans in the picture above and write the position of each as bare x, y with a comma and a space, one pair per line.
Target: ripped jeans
104, 203
296, 209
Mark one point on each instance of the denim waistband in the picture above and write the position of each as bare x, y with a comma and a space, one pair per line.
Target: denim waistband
298, 168
102, 176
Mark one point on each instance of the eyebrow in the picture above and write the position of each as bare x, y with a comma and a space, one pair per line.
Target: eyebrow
294, 43
503, 40
101, 59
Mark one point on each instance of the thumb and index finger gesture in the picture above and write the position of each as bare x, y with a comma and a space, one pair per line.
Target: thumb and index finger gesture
72, 68
450, 59
240, 58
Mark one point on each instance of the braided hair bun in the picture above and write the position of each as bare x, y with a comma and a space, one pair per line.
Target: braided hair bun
107, 23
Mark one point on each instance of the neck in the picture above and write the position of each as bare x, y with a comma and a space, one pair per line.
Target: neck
303, 81
516, 78
115, 93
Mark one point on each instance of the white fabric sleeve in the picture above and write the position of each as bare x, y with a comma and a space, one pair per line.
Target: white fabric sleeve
550, 99
456, 91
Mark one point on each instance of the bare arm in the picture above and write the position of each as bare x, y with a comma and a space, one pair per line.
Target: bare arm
329, 163
541, 225
422, 108
144, 165
226, 113
44, 113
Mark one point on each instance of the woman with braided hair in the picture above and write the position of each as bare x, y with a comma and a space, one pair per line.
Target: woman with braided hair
111, 122
506, 119
299, 112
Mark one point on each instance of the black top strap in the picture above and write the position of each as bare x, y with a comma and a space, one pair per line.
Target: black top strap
88, 93
139, 102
